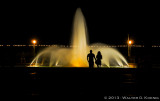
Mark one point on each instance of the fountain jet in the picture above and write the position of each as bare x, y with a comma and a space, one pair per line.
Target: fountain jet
76, 56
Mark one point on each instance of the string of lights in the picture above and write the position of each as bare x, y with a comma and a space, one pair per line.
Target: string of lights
31, 45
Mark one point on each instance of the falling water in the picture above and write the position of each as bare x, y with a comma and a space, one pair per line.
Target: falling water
76, 56
79, 40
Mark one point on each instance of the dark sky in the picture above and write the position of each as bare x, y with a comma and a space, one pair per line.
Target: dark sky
51, 22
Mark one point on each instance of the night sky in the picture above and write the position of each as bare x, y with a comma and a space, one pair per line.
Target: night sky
51, 22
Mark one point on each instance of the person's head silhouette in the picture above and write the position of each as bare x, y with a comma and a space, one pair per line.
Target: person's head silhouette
99, 53
90, 51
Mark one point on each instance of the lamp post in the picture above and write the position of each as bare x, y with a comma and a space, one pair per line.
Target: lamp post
129, 42
34, 48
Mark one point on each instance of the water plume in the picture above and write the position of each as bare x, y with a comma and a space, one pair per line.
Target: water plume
76, 56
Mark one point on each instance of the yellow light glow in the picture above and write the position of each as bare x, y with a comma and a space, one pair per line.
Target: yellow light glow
130, 42
132, 65
34, 41
78, 63
33, 73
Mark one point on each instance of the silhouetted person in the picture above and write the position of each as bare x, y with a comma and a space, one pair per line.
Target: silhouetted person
98, 59
90, 59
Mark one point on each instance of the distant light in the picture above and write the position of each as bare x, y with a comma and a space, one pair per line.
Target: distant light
130, 42
34, 73
34, 41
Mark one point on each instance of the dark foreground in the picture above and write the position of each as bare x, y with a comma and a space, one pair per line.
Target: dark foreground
79, 83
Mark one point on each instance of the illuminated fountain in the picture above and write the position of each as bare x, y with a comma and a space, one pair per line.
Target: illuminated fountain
76, 55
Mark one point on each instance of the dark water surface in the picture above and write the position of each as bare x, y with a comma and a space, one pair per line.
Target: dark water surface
79, 82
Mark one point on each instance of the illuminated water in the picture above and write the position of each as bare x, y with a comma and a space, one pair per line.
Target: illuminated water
76, 56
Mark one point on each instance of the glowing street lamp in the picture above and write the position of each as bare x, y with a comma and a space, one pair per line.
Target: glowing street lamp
129, 42
34, 43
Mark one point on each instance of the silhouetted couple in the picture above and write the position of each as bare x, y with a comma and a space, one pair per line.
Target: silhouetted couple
91, 58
